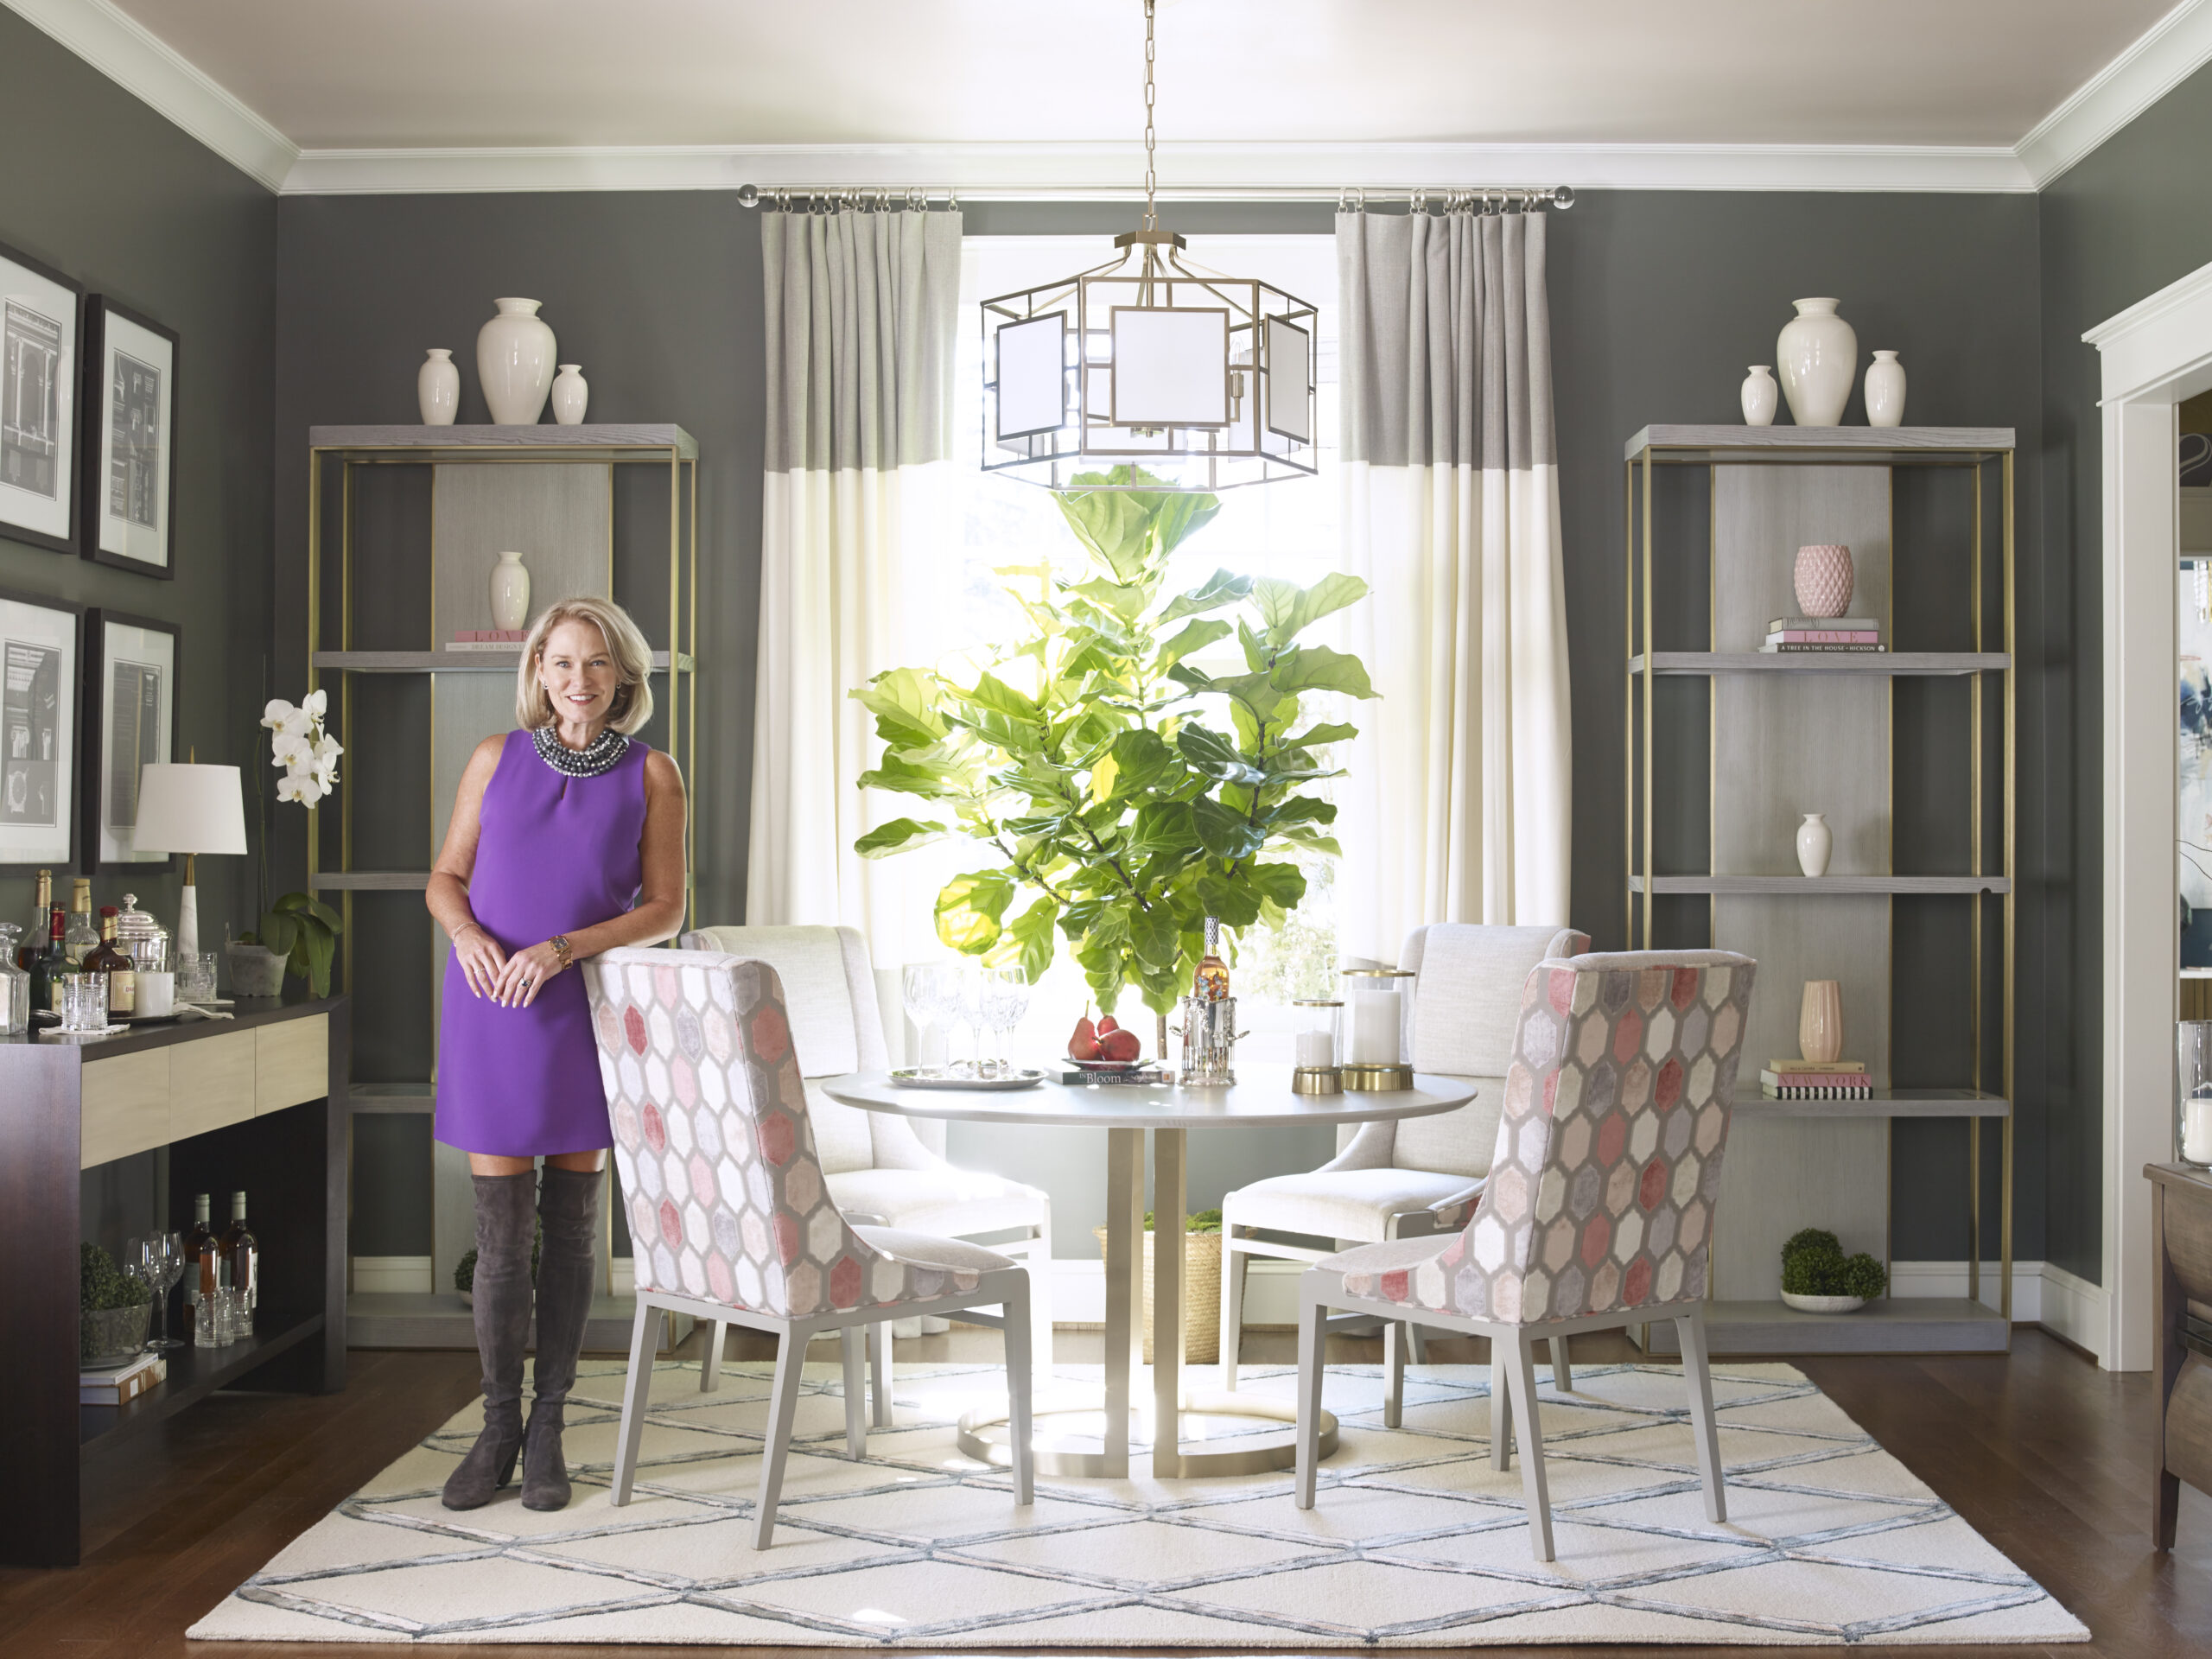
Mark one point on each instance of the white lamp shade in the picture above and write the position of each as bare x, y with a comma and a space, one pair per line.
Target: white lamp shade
190, 809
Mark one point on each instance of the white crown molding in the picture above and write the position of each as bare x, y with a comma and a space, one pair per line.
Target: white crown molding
148, 67
2168, 51
1193, 171
2156, 342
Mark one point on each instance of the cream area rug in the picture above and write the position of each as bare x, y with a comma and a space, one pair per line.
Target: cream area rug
1414, 1541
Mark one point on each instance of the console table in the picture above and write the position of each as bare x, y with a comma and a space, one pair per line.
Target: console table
255, 1102
2181, 1292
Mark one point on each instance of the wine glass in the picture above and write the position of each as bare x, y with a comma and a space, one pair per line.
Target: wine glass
1005, 999
963, 1008
921, 989
160, 1260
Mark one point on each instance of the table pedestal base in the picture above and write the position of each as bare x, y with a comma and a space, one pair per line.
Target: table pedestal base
1221, 1434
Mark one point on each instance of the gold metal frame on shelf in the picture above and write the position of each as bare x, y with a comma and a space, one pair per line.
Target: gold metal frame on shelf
1976, 459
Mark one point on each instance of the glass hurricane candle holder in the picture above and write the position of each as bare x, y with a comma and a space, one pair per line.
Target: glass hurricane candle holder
1319, 1046
1379, 1053
2193, 1092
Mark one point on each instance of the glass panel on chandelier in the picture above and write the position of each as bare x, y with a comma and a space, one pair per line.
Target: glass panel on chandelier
1031, 376
1171, 366
1290, 381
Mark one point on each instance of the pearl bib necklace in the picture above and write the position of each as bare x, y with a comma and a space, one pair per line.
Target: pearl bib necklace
609, 746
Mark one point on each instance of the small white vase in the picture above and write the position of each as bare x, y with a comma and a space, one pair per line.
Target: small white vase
437, 387
1814, 842
1761, 396
570, 394
514, 360
1885, 390
1818, 356
509, 592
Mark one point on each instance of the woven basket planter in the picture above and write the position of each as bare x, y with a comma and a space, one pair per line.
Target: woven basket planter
1201, 1294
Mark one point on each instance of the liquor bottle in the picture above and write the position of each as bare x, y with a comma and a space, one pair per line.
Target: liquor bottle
82, 936
32, 945
196, 1245
1211, 983
241, 1254
52, 963
107, 958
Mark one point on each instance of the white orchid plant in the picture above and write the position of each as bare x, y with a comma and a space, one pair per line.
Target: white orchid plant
299, 926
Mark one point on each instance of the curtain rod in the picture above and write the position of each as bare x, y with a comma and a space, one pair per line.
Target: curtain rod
1494, 199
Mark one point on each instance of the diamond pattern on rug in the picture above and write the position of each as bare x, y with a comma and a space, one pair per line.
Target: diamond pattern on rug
1414, 1541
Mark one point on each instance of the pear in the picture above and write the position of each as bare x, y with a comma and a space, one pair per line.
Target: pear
1083, 1046
1106, 1024
1118, 1045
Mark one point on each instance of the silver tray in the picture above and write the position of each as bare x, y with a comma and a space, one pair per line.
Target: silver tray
907, 1077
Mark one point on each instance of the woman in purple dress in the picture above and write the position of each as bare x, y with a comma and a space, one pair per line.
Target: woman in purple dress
567, 840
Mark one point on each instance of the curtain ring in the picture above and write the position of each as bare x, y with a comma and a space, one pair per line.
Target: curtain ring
952, 201
918, 199
783, 201
1419, 204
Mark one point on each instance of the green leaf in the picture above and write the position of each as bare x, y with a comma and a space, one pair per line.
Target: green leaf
996, 695
1215, 755
1314, 736
1303, 808
1216, 590
1113, 524
969, 908
1163, 827
1317, 668
1140, 759
1127, 600
1194, 638
1288, 609
279, 929
1027, 941
899, 836
904, 701
1234, 900
1281, 884
1222, 832
933, 780
1154, 937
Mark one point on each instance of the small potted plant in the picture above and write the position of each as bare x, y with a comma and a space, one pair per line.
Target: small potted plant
299, 932
1817, 1277
112, 1311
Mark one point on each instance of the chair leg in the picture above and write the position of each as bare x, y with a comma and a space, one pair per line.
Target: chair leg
1040, 1293
1562, 1376
710, 1368
1501, 1406
849, 1342
783, 1403
1020, 1430
1394, 1333
636, 1393
1523, 1381
1417, 1339
879, 1351
1232, 1307
1311, 1355
1697, 1372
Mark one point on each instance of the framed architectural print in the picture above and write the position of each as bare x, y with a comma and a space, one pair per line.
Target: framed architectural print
41, 320
40, 641
130, 698
130, 439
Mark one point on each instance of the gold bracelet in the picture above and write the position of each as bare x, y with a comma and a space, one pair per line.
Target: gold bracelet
562, 948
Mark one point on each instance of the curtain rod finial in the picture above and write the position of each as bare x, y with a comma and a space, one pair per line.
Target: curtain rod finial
748, 195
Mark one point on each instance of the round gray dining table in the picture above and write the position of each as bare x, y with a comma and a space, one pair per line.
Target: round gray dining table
1180, 1419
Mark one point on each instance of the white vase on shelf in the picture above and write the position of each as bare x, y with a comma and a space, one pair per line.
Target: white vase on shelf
570, 394
437, 387
1814, 842
1818, 356
514, 360
1885, 390
509, 592
1760, 395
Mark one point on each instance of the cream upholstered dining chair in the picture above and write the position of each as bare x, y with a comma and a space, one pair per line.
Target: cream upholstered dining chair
732, 1216
884, 1170
1599, 1210
1421, 1176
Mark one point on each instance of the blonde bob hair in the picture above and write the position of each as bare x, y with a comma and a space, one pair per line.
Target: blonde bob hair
634, 660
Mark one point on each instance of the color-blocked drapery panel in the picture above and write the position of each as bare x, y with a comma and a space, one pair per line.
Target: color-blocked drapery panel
1458, 808
861, 309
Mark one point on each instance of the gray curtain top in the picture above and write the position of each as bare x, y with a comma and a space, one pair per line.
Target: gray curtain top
1445, 348
862, 313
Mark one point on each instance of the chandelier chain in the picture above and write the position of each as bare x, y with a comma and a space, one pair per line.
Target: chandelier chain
1150, 178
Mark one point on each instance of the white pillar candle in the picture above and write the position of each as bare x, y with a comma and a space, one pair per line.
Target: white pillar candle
1375, 1028
1316, 1051
2196, 1131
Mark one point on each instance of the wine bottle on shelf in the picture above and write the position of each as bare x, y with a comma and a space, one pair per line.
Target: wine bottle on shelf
32, 945
82, 937
196, 1244
1210, 982
107, 957
53, 961
241, 1254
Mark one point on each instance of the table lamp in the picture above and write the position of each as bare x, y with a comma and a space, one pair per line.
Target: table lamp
189, 810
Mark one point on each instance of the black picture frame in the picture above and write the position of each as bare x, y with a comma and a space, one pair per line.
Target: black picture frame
21, 845
30, 460
96, 766
111, 405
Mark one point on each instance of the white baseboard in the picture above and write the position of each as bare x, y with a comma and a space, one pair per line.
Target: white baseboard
384, 1274
2074, 1309
1949, 1279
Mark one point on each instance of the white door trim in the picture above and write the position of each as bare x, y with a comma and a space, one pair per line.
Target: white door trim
2151, 356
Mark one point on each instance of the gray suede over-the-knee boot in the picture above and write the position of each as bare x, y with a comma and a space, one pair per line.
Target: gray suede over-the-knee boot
568, 1208
501, 1295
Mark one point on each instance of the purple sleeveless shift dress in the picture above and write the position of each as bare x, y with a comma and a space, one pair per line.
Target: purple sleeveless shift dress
556, 854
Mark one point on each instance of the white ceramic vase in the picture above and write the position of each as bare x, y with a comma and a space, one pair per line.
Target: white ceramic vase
1818, 356
437, 387
509, 592
1760, 395
514, 359
570, 394
1885, 390
1814, 842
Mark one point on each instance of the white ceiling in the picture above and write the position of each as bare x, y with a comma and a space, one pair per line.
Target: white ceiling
1008, 75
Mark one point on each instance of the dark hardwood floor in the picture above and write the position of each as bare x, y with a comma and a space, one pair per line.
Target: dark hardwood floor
2048, 1457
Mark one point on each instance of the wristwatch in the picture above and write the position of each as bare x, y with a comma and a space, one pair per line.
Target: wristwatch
562, 948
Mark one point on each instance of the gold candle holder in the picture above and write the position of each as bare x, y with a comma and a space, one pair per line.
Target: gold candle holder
1377, 1079
1317, 1080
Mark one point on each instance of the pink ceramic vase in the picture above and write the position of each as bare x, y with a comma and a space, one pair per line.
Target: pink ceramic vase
1819, 1021
1823, 580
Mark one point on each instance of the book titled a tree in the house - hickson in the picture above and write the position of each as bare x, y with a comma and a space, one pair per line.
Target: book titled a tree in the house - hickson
1816, 1080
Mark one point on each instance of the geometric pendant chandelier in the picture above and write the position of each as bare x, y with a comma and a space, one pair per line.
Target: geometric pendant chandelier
1206, 382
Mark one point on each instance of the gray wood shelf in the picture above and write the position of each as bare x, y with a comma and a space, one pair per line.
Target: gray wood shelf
1815, 886
1816, 661
417, 444
1883, 445
370, 880
1902, 1102
393, 1099
452, 662
1895, 1324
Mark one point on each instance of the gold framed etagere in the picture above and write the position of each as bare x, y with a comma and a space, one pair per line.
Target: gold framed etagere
1727, 744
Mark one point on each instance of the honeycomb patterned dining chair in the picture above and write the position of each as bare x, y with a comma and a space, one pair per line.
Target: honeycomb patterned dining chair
1599, 1210
731, 1217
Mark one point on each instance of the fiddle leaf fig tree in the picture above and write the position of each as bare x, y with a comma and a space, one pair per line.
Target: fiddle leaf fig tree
1127, 793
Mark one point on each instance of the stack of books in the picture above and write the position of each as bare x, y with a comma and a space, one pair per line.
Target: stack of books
488, 639
124, 1382
1823, 634
1816, 1080
1142, 1077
